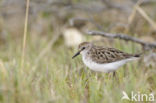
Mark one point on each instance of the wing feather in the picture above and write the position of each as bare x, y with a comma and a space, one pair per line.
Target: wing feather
108, 55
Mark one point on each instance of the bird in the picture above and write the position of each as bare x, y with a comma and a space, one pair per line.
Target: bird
103, 59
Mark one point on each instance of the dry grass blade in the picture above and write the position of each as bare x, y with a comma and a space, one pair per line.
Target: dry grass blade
146, 17
131, 17
25, 33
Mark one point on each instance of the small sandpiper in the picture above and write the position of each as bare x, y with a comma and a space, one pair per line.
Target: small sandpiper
99, 58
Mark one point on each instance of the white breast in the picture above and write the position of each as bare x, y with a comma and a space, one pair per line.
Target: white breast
107, 67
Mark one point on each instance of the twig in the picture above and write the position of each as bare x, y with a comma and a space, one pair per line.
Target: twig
25, 34
123, 37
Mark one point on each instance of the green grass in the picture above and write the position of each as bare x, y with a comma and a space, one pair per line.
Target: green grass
58, 78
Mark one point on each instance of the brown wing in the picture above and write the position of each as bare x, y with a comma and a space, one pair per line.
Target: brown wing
107, 55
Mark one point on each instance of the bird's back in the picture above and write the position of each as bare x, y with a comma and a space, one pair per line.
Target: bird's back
108, 55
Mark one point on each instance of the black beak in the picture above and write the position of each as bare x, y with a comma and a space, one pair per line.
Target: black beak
76, 54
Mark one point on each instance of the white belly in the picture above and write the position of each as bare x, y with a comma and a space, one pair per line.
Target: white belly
107, 67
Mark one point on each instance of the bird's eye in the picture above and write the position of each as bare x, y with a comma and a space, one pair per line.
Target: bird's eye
83, 48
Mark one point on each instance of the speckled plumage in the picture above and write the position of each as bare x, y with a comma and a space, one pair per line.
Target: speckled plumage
107, 55
99, 58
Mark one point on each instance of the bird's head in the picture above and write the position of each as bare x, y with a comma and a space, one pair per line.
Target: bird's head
83, 48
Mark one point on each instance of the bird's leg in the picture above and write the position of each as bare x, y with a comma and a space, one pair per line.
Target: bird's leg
114, 74
115, 77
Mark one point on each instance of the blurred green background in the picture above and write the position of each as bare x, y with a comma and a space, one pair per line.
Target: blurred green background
55, 28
